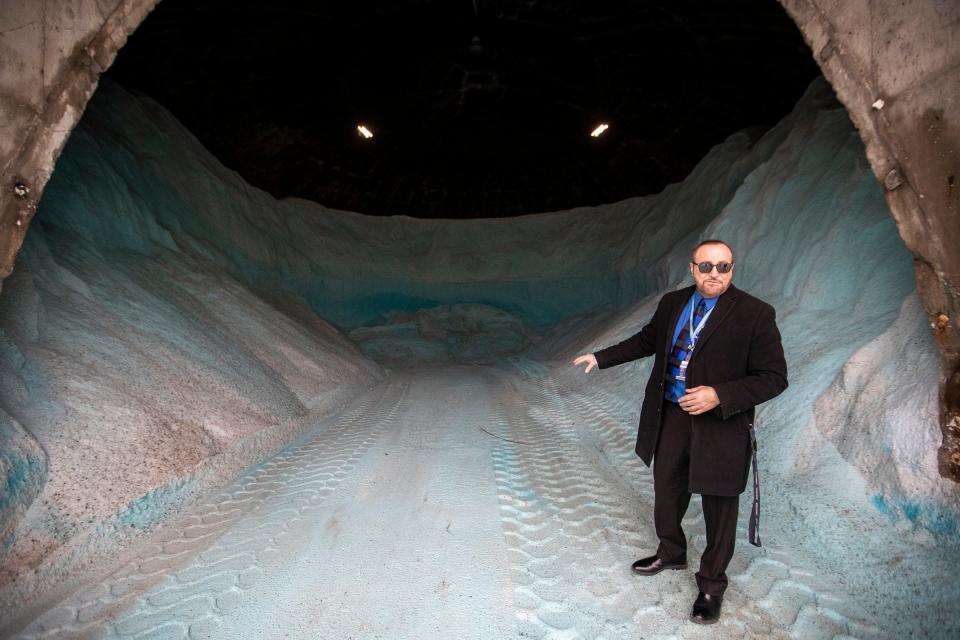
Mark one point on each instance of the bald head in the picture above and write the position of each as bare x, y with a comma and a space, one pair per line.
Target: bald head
709, 242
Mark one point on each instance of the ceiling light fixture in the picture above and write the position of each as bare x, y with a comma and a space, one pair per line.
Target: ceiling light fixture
596, 133
364, 131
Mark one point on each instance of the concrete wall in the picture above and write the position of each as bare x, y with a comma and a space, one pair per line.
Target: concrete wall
52, 53
894, 64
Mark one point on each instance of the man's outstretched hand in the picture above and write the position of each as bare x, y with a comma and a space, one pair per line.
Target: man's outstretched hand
589, 358
699, 400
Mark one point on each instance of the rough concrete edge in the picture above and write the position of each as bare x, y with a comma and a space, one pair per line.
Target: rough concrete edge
44, 137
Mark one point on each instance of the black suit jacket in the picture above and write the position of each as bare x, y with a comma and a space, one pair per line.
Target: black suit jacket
739, 354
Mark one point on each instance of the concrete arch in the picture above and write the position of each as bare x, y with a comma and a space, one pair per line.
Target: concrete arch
51, 56
894, 65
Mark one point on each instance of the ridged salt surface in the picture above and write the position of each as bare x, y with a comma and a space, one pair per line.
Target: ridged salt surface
505, 500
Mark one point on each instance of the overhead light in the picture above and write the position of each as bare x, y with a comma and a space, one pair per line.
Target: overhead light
476, 46
364, 131
596, 133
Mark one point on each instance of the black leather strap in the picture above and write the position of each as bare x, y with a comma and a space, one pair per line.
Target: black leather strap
755, 512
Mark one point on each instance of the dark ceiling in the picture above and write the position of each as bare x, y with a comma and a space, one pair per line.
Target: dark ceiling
480, 108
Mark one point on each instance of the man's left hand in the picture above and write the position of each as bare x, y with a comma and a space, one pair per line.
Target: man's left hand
699, 400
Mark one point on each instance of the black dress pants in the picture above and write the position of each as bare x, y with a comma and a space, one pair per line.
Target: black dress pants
671, 472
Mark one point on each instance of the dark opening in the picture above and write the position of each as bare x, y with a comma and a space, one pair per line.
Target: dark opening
479, 108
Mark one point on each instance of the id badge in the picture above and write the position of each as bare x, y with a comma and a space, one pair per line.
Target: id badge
683, 369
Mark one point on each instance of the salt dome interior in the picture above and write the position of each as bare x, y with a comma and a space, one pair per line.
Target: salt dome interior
225, 415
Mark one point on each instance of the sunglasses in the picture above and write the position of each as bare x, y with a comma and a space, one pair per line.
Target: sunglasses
707, 267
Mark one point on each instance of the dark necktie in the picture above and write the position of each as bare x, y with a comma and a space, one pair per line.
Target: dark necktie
682, 346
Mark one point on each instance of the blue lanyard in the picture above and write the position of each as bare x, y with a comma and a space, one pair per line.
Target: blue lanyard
696, 332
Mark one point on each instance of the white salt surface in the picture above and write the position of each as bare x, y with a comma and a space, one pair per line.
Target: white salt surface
451, 502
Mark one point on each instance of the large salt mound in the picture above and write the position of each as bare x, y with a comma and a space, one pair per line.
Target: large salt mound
848, 452
163, 314
137, 370
350, 269
158, 307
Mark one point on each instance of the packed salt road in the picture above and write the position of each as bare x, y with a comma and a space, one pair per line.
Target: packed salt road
449, 502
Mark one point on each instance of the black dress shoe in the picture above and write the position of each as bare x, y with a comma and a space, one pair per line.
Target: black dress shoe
706, 608
653, 565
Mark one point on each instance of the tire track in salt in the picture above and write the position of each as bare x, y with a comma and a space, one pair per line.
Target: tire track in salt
196, 570
571, 529
769, 596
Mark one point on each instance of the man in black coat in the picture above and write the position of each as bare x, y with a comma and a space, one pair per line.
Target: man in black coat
717, 354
